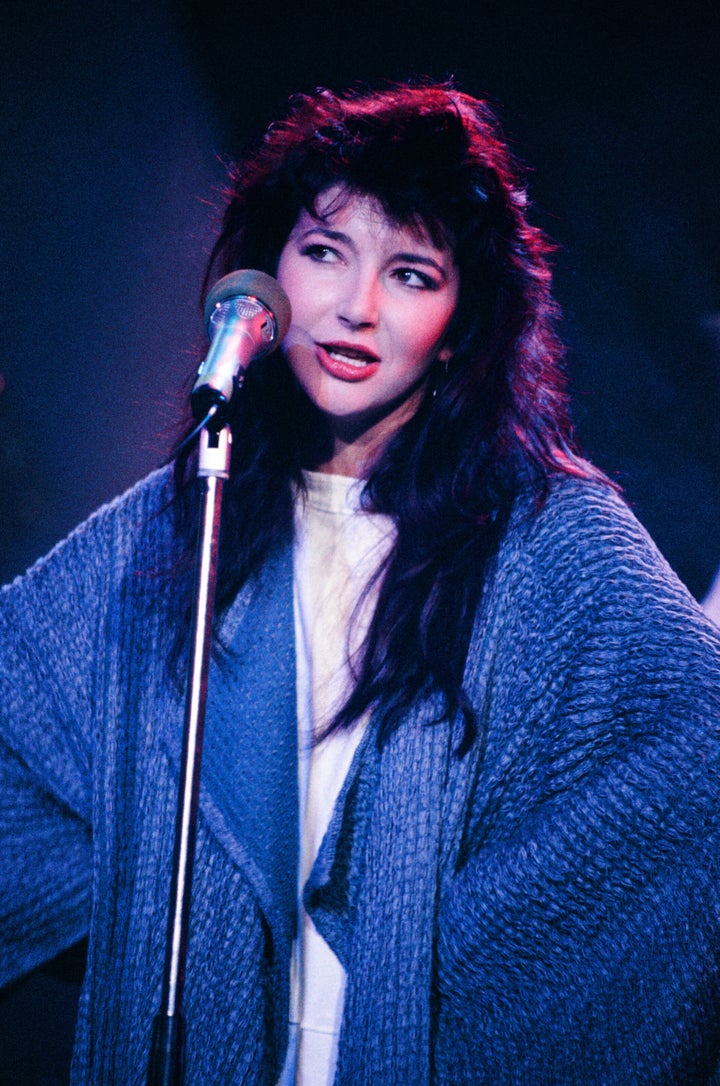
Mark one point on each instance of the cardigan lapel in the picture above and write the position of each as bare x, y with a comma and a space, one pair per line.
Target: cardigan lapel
395, 839
249, 790
373, 895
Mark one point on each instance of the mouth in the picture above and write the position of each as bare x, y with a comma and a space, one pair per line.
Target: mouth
346, 361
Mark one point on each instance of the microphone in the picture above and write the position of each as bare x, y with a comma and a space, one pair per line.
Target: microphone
247, 313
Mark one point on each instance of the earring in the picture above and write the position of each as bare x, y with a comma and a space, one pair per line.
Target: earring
445, 363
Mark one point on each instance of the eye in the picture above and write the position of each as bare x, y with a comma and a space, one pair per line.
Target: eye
415, 279
322, 254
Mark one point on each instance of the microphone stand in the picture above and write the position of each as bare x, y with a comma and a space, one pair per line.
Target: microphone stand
167, 1053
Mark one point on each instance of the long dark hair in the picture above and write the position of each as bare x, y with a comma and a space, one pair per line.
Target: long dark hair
493, 425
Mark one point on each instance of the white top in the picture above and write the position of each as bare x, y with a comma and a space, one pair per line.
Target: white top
338, 547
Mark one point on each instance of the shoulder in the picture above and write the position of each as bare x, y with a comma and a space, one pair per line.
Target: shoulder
585, 536
130, 531
146, 507
582, 567
582, 518
125, 515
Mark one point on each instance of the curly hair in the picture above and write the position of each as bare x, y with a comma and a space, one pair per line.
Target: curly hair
493, 426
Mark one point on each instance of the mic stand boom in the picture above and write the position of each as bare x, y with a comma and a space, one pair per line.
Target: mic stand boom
167, 1053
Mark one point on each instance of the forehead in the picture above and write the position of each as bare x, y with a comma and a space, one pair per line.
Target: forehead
362, 216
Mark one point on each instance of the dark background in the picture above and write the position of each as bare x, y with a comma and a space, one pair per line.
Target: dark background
115, 120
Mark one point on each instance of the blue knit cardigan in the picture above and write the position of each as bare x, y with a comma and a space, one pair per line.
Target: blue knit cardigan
545, 910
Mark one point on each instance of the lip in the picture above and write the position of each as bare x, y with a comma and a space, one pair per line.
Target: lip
346, 371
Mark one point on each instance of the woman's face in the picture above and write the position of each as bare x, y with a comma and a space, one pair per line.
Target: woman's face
371, 304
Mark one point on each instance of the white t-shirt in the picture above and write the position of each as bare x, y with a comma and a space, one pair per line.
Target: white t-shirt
338, 547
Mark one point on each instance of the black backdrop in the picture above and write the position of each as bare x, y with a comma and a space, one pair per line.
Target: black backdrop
116, 117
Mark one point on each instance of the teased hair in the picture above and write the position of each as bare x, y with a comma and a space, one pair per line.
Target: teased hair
495, 424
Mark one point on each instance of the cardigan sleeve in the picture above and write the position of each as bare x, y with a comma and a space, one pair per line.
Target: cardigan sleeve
53, 622
579, 941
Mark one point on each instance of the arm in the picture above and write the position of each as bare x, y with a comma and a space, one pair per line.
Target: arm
579, 939
53, 634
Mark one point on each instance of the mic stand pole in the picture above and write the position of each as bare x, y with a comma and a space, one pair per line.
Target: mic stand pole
167, 1053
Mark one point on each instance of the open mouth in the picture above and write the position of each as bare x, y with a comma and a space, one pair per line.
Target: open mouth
353, 356
347, 363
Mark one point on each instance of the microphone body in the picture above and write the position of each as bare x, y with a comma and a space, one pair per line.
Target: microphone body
247, 313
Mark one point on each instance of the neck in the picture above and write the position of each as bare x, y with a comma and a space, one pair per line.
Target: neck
358, 444
347, 461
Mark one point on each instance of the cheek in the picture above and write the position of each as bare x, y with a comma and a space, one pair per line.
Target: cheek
425, 333
298, 350
293, 276
305, 297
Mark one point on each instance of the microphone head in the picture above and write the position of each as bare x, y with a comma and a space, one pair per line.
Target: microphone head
254, 284
247, 313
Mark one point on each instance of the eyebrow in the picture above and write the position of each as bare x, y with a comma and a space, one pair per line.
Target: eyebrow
337, 235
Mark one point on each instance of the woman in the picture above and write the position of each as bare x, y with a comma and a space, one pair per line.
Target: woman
458, 698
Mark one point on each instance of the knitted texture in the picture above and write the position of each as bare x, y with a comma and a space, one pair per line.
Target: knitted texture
543, 911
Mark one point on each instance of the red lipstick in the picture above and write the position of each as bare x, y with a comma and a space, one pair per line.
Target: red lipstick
347, 361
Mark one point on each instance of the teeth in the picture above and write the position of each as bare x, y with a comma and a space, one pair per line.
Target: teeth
350, 359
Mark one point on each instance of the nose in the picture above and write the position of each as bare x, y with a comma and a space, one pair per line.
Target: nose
359, 305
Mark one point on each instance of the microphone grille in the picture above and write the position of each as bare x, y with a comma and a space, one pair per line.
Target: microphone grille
244, 286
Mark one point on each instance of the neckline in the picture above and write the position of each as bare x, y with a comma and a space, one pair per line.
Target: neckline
340, 494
